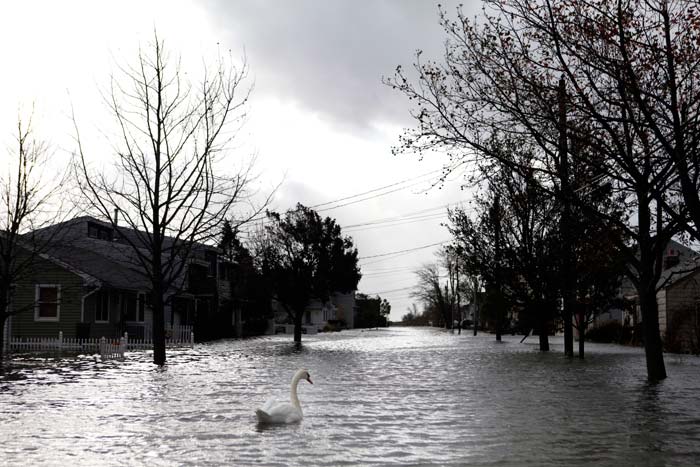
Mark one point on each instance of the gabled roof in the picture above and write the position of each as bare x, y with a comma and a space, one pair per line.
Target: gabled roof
111, 273
688, 263
677, 273
112, 263
134, 236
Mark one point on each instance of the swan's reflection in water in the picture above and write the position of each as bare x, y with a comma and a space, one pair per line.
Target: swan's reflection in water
272, 429
386, 397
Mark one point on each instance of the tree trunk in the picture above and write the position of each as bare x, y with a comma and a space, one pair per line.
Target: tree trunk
297, 326
581, 338
476, 305
650, 267
568, 268
653, 347
496, 219
449, 313
158, 326
542, 331
238, 322
3, 321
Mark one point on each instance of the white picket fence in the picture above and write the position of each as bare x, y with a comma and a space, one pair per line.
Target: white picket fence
111, 349
107, 348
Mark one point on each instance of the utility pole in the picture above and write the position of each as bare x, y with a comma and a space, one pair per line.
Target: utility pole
459, 310
450, 278
568, 266
445, 303
476, 304
496, 220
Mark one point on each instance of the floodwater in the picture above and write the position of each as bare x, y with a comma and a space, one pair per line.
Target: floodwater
399, 396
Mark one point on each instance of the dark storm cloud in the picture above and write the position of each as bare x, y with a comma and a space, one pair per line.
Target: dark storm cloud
330, 56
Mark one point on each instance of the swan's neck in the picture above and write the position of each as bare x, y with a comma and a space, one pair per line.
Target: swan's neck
293, 395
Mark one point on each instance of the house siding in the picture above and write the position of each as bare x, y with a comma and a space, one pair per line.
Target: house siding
47, 272
224, 289
683, 294
681, 302
662, 305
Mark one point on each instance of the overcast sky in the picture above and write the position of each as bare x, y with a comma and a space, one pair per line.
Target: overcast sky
320, 118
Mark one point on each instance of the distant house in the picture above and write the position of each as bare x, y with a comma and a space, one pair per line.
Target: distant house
89, 284
339, 311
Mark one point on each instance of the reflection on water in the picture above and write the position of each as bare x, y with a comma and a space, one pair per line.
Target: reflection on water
386, 397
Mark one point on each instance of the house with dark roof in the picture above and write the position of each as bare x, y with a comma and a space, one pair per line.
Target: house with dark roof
89, 283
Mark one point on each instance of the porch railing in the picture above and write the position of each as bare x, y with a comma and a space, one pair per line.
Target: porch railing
144, 331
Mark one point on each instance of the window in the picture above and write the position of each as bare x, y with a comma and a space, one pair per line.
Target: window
102, 307
48, 302
224, 271
210, 258
99, 231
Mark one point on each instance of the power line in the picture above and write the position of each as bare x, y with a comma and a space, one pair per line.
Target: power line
263, 218
389, 269
401, 219
398, 223
408, 215
370, 197
403, 251
388, 220
388, 273
390, 291
373, 190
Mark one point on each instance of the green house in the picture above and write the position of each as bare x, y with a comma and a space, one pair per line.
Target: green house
89, 283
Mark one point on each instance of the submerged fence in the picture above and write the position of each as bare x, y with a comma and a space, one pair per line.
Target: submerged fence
108, 348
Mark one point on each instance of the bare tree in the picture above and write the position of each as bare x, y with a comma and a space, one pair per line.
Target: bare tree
624, 100
167, 182
28, 203
433, 293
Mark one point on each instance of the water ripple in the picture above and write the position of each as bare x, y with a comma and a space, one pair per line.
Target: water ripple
386, 397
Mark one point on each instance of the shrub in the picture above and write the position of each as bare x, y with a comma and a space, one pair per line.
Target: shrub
607, 332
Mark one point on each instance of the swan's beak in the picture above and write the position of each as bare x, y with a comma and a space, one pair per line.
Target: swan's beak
309, 380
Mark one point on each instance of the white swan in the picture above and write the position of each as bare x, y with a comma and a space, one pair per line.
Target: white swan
284, 412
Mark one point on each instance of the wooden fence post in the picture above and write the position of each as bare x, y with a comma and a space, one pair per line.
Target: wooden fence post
192, 339
60, 341
122, 345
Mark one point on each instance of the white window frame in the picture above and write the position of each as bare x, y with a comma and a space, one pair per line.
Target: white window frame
98, 297
37, 303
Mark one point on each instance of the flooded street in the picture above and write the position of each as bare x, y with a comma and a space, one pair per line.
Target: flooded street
399, 396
